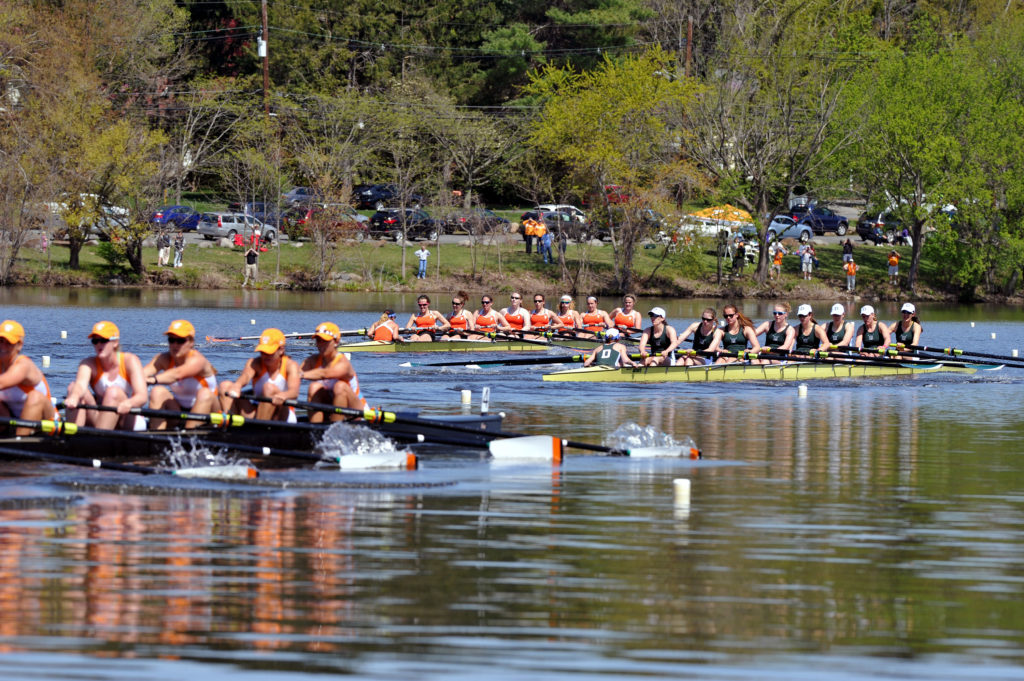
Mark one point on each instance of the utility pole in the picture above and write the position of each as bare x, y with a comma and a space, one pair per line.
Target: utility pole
264, 35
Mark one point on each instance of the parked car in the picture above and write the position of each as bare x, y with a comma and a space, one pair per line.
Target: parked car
108, 216
476, 221
267, 213
785, 227
878, 226
556, 221
574, 212
345, 221
379, 196
227, 225
418, 224
820, 218
176, 217
299, 195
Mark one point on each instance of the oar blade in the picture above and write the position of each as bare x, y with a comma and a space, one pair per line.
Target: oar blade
228, 472
403, 460
528, 447
679, 452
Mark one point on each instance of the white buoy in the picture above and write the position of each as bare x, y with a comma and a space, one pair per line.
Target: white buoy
467, 397
63, 334
972, 325
681, 487
993, 336
801, 390
485, 400
253, 322
1014, 352
46, 360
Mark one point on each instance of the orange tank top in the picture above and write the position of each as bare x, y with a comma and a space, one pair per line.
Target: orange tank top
517, 320
458, 321
537, 320
592, 321
426, 321
566, 319
486, 321
383, 333
624, 322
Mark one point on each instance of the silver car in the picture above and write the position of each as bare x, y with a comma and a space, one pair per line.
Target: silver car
227, 225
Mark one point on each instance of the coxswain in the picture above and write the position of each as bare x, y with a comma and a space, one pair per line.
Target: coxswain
332, 378
272, 374
660, 339
839, 331
871, 335
459, 319
542, 319
809, 334
111, 378
611, 354
907, 331
703, 333
568, 315
595, 321
24, 392
736, 336
626, 318
385, 329
515, 315
779, 336
182, 378
488, 320
425, 321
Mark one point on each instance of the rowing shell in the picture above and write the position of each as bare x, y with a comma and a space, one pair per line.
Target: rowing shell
483, 345
796, 371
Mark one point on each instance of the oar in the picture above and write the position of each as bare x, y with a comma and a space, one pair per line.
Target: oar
962, 360
512, 361
815, 356
955, 352
212, 472
296, 334
549, 448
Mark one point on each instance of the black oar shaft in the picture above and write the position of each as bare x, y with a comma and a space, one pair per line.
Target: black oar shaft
79, 461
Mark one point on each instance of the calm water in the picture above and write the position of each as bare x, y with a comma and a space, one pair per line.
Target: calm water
871, 530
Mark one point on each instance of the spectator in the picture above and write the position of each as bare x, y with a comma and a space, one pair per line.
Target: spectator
894, 267
252, 271
807, 261
163, 249
847, 251
179, 248
422, 254
529, 230
850, 267
739, 257
545, 246
780, 251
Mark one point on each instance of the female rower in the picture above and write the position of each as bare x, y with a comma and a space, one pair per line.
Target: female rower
662, 339
488, 320
809, 335
839, 332
779, 336
736, 336
627, 318
112, 379
460, 319
515, 315
182, 378
425, 321
611, 354
594, 320
273, 374
568, 315
333, 380
542, 318
907, 331
386, 328
703, 332
24, 392
871, 335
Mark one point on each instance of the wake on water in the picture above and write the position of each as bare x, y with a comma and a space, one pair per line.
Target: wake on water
633, 435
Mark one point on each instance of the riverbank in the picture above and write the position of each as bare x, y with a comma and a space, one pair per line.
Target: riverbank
497, 265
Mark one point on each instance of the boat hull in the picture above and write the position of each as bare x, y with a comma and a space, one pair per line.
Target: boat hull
795, 371
461, 346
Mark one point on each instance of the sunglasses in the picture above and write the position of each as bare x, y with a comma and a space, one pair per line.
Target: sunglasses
176, 340
906, 312
516, 297
100, 341
538, 300
423, 304
485, 302
729, 316
705, 319
457, 303
778, 314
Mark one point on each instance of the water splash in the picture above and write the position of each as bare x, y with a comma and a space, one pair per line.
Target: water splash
632, 435
344, 439
184, 452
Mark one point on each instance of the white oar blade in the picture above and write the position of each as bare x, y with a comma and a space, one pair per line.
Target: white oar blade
663, 453
233, 472
405, 365
531, 447
384, 460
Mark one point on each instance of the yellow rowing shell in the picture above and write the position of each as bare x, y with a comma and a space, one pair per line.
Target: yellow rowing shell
753, 372
459, 346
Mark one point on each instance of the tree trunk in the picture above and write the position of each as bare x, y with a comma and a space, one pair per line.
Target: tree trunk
74, 248
916, 230
133, 251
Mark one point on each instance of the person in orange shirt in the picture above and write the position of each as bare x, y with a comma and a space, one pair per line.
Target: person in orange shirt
426, 321
273, 374
385, 329
334, 380
542, 318
24, 392
182, 378
850, 267
626, 317
776, 270
894, 267
110, 378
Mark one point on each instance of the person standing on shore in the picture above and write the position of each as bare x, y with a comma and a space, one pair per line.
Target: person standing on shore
163, 249
422, 254
894, 267
847, 251
850, 267
179, 248
252, 268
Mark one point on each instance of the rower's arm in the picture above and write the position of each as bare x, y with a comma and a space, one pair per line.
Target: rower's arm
444, 322
137, 379
554, 321
80, 386
16, 374
642, 347
755, 346
673, 338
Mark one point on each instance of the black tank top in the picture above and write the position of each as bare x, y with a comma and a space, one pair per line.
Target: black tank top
700, 341
835, 337
808, 342
772, 338
659, 343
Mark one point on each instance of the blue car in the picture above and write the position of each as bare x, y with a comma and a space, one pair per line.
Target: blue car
175, 217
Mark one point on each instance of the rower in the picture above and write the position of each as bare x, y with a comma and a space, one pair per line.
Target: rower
542, 318
487, 319
611, 354
273, 375
425, 321
334, 380
568, 315
595, 320
736, 336
838, 331
871, 335
112, 379
662, 339
515, 316
908, 330
182, 377
779, 336
459, 319
703, 333
385, 329
24, 392
809, 334
626, 317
